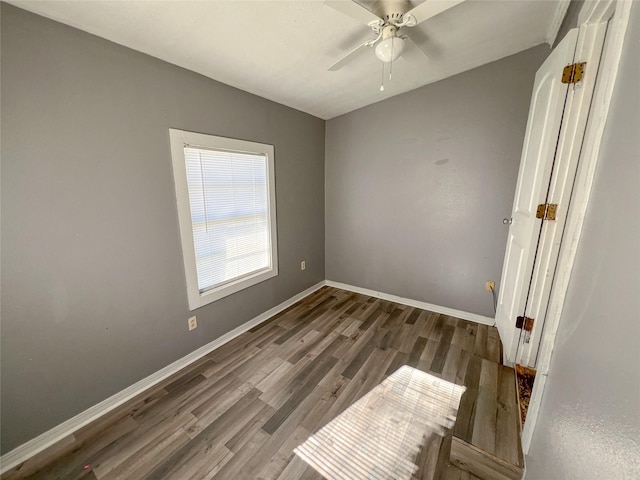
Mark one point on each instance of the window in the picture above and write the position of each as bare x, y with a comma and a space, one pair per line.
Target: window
225, 190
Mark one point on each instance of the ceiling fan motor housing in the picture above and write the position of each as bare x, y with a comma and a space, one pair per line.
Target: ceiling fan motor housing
389, 31
394, 18
392, 11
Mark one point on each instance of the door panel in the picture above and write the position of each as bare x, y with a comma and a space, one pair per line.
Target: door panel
515, 256
543, 127
590, 40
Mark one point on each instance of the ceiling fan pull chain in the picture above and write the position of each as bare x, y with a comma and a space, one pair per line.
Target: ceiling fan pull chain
382, 80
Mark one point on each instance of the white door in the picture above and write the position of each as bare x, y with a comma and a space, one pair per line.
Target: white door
538, 153
576, 110
555, 129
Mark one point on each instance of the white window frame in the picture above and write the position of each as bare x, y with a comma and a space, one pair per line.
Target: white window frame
179, 139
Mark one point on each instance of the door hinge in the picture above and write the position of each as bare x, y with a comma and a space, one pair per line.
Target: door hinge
547, 211
573, 73
525, 323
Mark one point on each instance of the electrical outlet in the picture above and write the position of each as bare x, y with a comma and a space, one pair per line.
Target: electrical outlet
303, 265
490, 286
193, 323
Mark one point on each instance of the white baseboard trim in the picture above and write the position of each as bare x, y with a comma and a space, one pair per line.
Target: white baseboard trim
41, 442
472, 317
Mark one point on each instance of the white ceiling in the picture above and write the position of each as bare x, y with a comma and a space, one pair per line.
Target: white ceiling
281, 50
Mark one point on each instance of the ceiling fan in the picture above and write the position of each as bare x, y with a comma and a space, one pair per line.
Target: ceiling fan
386, 20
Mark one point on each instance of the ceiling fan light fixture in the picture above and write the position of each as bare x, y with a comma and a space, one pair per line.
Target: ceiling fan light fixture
389, 49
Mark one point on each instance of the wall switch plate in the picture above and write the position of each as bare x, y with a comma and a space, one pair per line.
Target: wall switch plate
303, 265
193, 323
490, 286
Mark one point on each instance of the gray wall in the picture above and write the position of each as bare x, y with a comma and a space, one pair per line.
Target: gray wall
589, 425
93, 287
417, 185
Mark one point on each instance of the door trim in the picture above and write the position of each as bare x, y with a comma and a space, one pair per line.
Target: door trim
597, 11
556, 23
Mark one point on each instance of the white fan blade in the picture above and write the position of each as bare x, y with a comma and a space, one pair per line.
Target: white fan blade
348, 57
353, 10
431, 8
416, 46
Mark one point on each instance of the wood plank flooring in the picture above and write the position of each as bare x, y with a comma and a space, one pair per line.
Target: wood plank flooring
240, 411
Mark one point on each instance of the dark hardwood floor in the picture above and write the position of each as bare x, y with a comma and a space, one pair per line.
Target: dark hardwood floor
240, 411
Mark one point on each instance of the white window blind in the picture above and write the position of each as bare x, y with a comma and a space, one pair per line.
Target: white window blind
225, 193
229, 200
